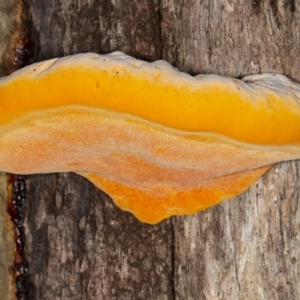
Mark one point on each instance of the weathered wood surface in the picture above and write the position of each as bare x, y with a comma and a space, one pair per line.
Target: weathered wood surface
7, 244
246, 248
80, 246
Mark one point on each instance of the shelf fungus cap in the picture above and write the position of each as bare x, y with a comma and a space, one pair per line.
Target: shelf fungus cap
158, 141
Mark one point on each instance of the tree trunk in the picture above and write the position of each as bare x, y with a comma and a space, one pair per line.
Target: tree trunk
79, 245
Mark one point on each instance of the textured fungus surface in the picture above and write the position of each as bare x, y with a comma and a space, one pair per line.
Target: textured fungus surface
158, 141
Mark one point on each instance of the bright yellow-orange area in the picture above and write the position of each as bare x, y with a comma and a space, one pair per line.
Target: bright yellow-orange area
151, 207
209, 104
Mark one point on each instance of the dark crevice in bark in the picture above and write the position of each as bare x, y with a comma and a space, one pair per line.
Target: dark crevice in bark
292, 5
16, 209
173, 262
160, 39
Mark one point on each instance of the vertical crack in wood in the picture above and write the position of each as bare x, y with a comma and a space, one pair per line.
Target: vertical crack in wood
281, 225
173, 261
160, 46
15, 56
236, 271
16, 210
292, 5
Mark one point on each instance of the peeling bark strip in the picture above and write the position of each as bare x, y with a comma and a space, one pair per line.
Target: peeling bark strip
16, 209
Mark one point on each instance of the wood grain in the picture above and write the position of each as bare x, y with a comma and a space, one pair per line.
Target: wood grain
246, 248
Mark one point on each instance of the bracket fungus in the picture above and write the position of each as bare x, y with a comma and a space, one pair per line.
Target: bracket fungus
158, 141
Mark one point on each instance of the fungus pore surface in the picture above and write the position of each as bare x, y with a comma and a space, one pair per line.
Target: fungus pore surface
158, 141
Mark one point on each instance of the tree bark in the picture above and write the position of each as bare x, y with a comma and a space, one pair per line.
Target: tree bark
92, 249
80, 246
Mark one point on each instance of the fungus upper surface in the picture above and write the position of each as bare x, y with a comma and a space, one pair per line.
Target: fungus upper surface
158, 141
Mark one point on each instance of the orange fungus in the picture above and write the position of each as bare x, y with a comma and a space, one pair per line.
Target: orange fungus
158, 141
